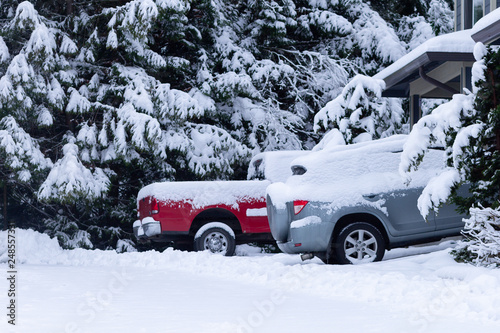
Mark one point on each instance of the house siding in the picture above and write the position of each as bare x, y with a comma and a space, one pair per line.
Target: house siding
458, 12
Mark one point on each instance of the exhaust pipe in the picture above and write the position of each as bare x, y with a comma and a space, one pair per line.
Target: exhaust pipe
306, 256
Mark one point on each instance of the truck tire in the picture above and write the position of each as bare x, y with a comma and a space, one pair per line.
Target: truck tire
215, 237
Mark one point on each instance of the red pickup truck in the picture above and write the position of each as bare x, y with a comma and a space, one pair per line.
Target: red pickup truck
212, 215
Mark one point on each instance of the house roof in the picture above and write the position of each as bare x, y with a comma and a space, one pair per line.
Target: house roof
454, 47
487, 29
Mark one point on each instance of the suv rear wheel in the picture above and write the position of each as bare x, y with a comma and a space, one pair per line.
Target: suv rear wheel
358, 243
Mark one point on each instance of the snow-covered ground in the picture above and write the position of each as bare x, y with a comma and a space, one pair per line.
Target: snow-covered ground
419, 289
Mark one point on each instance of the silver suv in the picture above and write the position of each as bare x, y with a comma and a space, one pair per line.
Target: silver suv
348, 204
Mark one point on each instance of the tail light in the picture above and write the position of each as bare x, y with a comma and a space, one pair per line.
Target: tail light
298, 205
155, 208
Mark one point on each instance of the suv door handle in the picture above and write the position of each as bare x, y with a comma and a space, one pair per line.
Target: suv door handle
371, 197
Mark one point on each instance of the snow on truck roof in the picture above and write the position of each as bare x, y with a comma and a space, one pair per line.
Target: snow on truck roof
206, 193
269, 166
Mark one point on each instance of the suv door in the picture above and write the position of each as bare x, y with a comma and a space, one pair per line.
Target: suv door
403, 213
448, 217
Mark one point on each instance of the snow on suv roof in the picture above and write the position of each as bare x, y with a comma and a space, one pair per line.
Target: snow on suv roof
343, 174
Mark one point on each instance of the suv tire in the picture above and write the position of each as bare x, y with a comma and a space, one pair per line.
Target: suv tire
357, 243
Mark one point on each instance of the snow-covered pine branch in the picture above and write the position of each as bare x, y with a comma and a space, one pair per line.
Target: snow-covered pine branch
455, 125
21, 153
360, 112
70, 180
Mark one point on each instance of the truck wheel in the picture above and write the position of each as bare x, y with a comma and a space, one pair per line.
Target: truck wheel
215, 237
358, 243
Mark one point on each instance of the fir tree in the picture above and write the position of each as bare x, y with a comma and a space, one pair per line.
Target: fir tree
469, 128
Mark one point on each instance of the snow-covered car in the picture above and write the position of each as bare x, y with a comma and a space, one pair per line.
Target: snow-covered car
212, 215
348, 204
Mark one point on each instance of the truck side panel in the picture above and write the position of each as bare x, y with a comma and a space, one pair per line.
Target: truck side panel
178, 216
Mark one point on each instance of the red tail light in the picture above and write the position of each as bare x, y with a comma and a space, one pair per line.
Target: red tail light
298, 205
155, 208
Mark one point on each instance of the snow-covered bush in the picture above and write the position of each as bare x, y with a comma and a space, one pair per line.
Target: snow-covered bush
481, 245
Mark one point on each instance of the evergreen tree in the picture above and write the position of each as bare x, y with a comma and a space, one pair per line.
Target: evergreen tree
469, 128
99, 98
360, 113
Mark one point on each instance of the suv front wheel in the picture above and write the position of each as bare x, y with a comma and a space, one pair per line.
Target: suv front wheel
358, 243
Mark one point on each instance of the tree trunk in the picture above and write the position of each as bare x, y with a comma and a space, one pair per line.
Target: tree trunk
5, 205
498, 150
69, 7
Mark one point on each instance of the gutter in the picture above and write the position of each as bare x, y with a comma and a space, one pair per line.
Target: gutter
435, 82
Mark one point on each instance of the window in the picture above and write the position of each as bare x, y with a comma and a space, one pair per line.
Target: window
477, 10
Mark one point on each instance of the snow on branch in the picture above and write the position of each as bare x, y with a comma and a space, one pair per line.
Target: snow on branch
433, 128
455, 125
70, 180
437, 191
136, 93
330, 22
4, 51
213, 149
482, 238
360, 112
26, 17
77, 103
176, 5
19, 71
139, 12
145, 130
176, 104
68, 46
22, 152
230, 84
41, 48
374, 35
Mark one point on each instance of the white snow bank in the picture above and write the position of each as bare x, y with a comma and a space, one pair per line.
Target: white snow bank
31, 247
425, 291
202, 194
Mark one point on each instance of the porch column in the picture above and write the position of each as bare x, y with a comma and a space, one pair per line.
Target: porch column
415, 110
